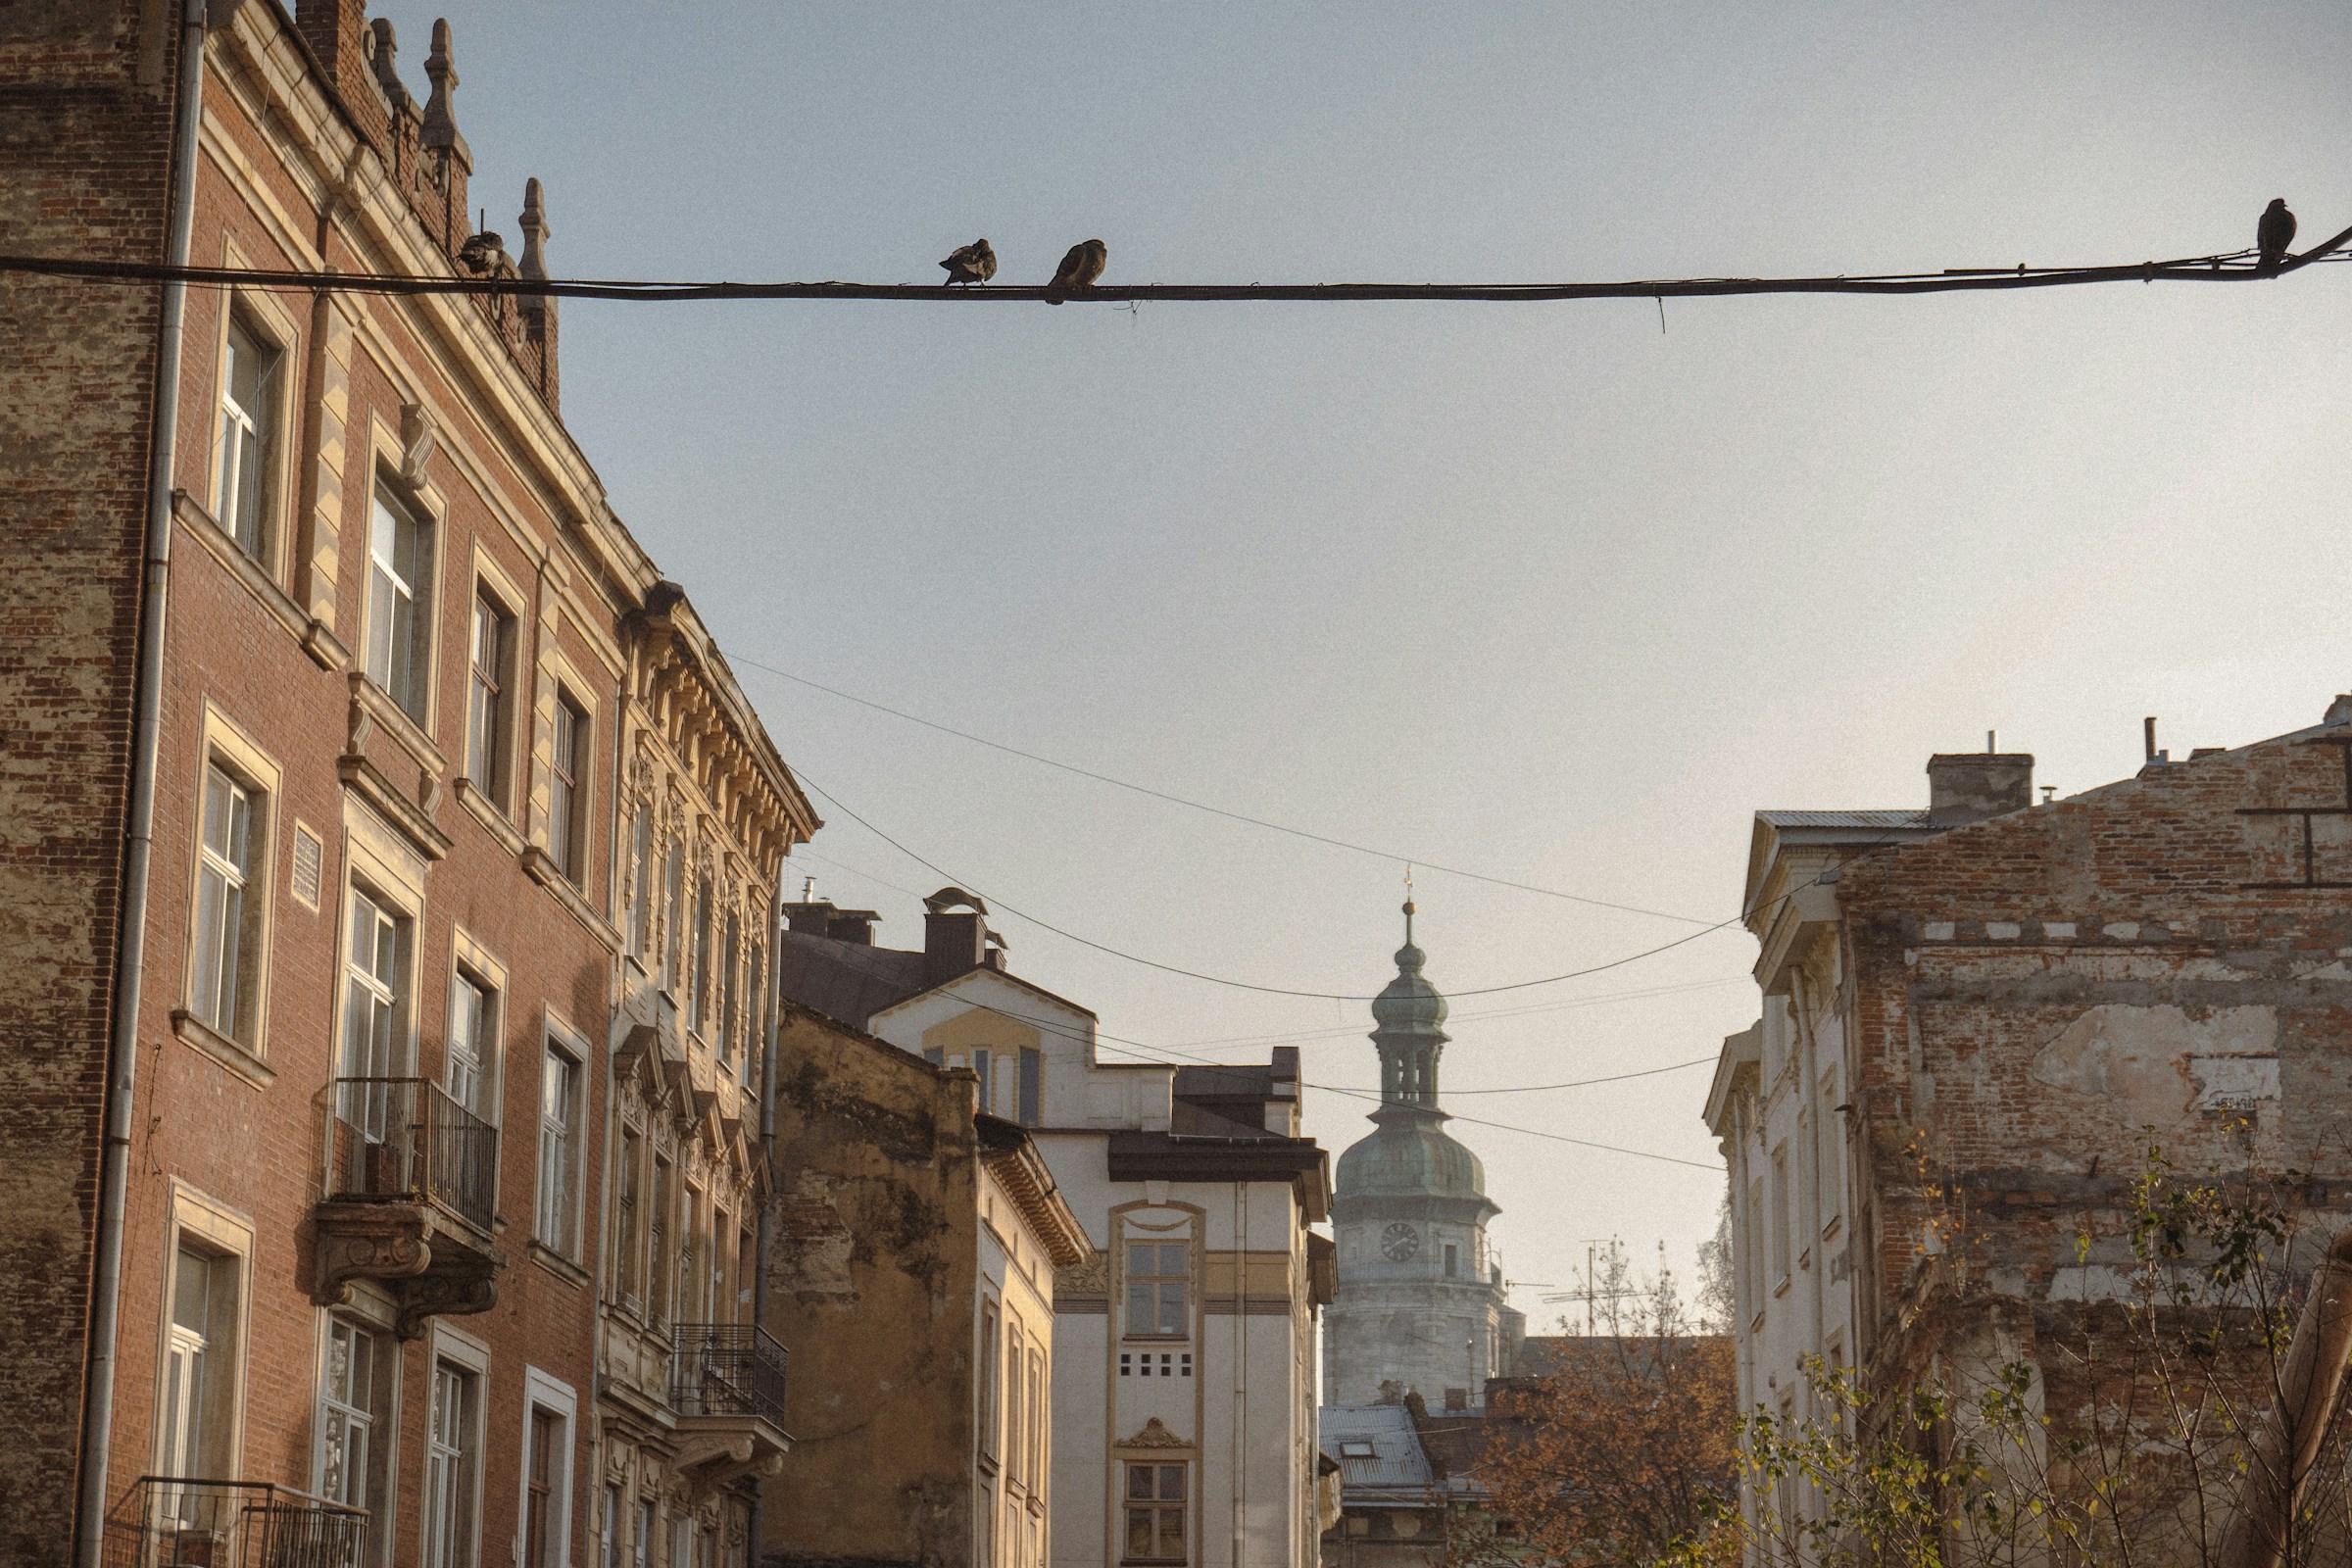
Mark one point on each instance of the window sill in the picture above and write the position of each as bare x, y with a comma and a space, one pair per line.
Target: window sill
195, 1032
542, 868
494, 821
1782, 1288
1155, 1339
313, 635
396, 721
556, 1264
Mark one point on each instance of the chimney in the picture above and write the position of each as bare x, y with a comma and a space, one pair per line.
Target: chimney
955, 939
853, 926
810, 919
1970, 786
2339, 709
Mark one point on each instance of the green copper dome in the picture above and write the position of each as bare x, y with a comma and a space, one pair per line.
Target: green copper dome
1411, 1158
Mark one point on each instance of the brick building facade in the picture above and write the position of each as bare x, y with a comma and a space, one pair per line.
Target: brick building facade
1979, 1018
348, 1261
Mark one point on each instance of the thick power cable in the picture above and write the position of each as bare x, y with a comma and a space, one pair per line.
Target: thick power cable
1420, 861
2231, 267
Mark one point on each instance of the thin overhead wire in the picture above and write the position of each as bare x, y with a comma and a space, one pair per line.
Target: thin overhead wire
933, 867
2231, 267
1419, 861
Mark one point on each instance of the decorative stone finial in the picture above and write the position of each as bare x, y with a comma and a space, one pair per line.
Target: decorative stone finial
381, 60
440, 118
533, 223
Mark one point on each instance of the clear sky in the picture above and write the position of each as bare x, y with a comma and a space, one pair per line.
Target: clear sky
1534, 589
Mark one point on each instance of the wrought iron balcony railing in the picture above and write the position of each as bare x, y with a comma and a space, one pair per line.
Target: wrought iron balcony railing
406, 1137
188, 1522
727, 1369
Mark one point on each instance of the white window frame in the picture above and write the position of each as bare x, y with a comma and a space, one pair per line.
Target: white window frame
490, 698
570, 761
471, 962
223, 1234
274, 331
386, 999
541, 1390
370, 1415
472, 1356
228, 749
557, 1042
388, 505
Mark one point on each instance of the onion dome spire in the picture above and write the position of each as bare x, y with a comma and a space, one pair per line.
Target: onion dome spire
1408, 1015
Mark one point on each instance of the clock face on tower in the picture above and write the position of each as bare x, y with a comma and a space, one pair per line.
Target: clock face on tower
1399, 1242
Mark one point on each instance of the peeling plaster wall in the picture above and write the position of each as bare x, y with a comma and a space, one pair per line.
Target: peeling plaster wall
2033, 1000
872, 1286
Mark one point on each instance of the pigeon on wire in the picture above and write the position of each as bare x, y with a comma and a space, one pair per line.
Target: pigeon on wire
482, 252
1080, 267
2273, 234
971, 264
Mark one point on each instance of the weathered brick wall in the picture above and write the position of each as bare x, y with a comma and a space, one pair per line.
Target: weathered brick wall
2038, 998
85, 126
871, 1284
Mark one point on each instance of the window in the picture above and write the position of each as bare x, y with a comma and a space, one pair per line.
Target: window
1353, 1448
984, 1060
1038, 1415
699, 999
1453, 1259
226, 864
1154, 1513
627, 1217
1016, 1406
755, 1019
376, 987
198, 1382
1753, 1236
451, 1467
348, 1408
641, 881
1779, 1213
1157, 1277
249, 441
1829, 1168
1031, 1096
488, 724
399, 604
720, 1229
690, 1257
988, 1379
729, 961
658, 1244
647, 1523
673, 892
610, 1524
559, 1151
567, 823
541, 1507
472, 1038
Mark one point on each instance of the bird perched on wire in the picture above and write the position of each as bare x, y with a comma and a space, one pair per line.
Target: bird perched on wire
482, 252
971, 264
1080, 267
2273, 234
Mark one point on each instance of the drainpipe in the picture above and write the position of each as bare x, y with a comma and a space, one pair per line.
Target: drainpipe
123, 1042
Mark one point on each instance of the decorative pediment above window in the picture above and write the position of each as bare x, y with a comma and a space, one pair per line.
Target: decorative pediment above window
1156, 1434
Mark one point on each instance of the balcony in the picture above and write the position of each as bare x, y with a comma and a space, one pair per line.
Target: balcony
726, 1385
183, 1522
412, 1193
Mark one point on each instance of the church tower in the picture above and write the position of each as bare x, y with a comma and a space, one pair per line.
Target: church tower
1420, 1304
